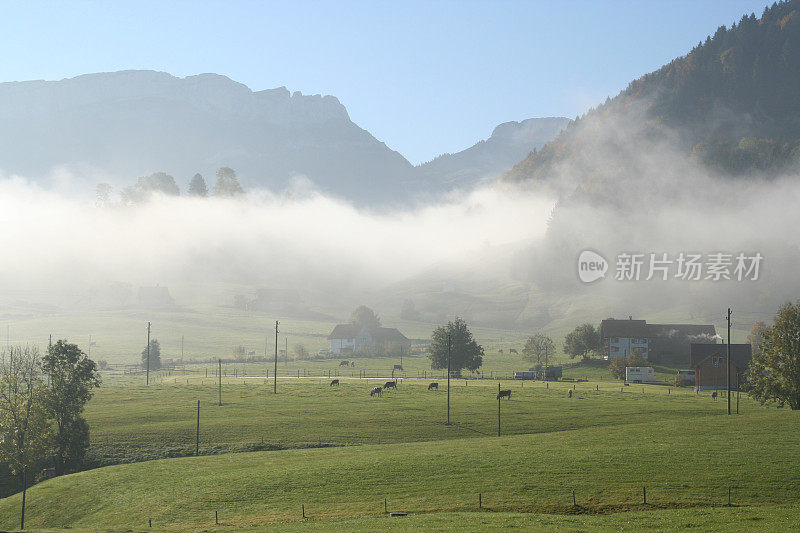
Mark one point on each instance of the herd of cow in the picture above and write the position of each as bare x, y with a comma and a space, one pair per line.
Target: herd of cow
378, 391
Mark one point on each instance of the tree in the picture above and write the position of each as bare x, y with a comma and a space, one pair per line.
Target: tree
756, 336
103, 192
363, 316
146, 186
583, 340
301, 351
536, 346
73, 376
227, 185
618, 364
24, 428
464, 351
197, 187
155, 355
774, 372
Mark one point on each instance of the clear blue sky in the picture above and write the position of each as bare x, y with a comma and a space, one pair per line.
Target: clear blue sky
424, 77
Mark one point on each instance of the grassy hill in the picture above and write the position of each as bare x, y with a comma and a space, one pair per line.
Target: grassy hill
684, 462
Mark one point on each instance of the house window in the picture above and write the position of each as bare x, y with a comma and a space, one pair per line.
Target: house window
616, 339
718, 361
615, 348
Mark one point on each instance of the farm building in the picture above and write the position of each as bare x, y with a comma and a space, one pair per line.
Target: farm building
349, 338
657, 342
710, 362
639, 374
686, 377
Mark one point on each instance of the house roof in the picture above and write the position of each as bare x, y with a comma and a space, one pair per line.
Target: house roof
740, 353
351, 331
699, 333
344, 331
612, 327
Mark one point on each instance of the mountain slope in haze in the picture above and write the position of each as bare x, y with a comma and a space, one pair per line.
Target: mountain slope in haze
732, 104
488, 159
117, 126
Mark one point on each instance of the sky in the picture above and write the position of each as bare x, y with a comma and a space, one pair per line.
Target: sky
424, 77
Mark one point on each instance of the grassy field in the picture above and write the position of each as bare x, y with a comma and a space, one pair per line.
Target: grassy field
684, 462
132, 422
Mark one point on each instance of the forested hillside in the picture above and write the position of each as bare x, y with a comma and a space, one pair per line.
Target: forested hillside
732, 104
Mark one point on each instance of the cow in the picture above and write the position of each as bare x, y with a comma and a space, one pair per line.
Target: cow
390, 385
512, 350
714, 396
344, 363
569, 393
335, 382
433, 385
352, 364
504, 394
398, 367
376, 390
500, 350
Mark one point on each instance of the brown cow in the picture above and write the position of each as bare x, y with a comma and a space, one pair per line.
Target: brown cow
433, 385
390, 385
334, 382
504, 394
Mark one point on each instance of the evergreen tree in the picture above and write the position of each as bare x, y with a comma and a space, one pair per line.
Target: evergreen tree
227, 185
197, 187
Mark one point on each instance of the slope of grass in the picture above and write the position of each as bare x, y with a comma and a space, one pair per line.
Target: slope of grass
131, 422
683, 463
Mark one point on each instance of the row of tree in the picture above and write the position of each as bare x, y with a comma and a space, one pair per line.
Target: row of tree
226, 186
41, 408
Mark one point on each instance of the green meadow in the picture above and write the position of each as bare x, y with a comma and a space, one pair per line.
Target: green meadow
343, 455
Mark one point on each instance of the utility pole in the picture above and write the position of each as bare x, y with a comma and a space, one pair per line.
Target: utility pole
181, 348
219, 372
147, 364
728, 371
197, 436
275, 383
498, 408
285, 351
24, 491
545, 362
448, 379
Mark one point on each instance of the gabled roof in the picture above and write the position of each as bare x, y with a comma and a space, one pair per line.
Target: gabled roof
612, 327
388, 335
740, 353
700, 333
344, 331
351, 331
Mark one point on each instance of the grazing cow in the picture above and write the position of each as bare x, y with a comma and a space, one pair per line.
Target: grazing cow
569, 393
334, 382
714, 396
512, 350
504, 394
500, 350
390, 385
376, 390
398, 367
344, 363
433, 385
352, 363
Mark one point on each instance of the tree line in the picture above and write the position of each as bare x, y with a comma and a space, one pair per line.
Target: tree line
226, 186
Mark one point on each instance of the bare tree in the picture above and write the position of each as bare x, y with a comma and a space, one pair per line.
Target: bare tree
24, 428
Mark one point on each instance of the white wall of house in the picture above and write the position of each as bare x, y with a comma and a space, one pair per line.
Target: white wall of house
340, 345
624, 346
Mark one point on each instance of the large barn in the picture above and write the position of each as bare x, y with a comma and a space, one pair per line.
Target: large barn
658, 342
351, 338
709, 362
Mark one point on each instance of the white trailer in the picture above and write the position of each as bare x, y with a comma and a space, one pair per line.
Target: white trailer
639, 374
